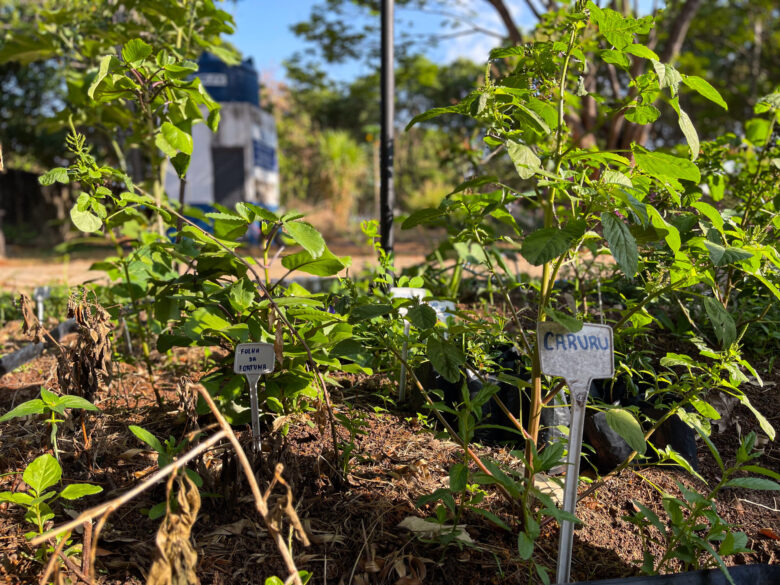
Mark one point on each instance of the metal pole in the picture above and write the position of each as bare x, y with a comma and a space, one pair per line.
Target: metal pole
387, 192
579, 394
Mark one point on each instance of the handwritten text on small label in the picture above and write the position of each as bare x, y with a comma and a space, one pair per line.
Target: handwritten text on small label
254, 358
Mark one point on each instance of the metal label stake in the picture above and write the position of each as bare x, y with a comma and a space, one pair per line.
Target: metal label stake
40, 294
405, 292
254, 360
579, 358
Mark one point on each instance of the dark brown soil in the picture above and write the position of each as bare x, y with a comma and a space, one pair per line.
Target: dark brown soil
354, 527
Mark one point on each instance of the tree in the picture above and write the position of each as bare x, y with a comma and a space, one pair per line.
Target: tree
690, 31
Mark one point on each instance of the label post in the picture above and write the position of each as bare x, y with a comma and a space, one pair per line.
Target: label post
253, 360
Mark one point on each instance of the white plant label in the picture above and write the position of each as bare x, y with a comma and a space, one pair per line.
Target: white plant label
406, 292
253, 360
579, 358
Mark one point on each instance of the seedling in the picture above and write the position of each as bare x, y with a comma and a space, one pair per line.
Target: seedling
166, 453
40, 475
51, 405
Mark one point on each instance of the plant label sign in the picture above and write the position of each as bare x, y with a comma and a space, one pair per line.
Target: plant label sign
406, 292
253, 360
579, 358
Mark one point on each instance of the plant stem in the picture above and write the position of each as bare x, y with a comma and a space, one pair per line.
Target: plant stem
548, 274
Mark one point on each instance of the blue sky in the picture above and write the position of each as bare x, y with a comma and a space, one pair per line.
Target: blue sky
263, 31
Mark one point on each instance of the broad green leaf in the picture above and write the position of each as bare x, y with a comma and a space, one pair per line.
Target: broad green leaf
325, 265
619, 30
422, 217
70, 401
42, 473
548, 243
624, 424
570, 323
57, 174
643, 114
621, 243
668, 76
659, 164
717, 185
670, 233
147, 438
767, 103
181, 163
75, 491
537, 124
703, 88
176, 138
722, 256
616, 57
710, 213
105, 65
434, 113
525, 546
459, 475
422, 316
757, 131
613, 177
21, 498
136, 51
85, 221
753, 483
765, 425
688, 130
306, 236
370, 311
641, 51
241, 294
446, 358
525, 161
705, 409
722, 321
35, 406
735, 542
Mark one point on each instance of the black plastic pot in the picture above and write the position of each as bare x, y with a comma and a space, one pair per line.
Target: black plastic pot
742, 575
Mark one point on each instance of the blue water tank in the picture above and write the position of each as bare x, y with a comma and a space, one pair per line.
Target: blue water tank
226, 83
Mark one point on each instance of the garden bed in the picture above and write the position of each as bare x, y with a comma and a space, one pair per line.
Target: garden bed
353, 528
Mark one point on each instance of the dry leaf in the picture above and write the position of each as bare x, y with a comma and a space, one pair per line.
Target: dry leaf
176, 558
86, 367
429, 529
30, 326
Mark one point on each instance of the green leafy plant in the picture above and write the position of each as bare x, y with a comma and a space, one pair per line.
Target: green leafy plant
50, 405
40, 475
166, 453
693, 533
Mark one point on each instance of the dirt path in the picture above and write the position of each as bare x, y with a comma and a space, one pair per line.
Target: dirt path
20, 274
